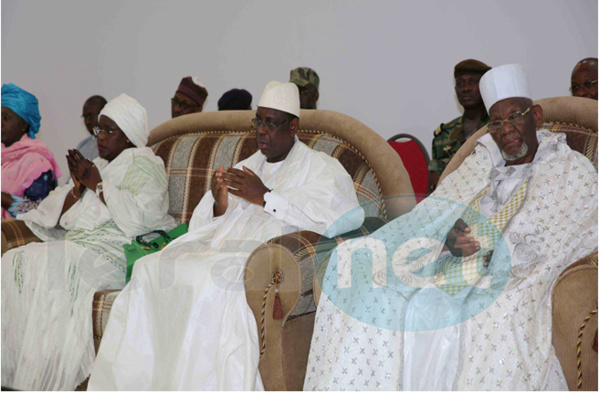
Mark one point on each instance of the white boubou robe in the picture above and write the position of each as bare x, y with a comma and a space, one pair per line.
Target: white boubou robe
183, 322
417, 332
48, 287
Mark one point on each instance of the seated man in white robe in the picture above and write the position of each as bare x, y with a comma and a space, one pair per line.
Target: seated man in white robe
456, 294
183, 322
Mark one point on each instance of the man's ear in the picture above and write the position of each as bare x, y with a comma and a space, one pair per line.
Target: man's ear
537, 113
293, 126
316, 95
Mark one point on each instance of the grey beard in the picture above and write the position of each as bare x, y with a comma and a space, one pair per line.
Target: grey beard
518, 155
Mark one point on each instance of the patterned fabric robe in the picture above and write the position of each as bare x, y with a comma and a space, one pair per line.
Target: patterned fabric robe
405, 316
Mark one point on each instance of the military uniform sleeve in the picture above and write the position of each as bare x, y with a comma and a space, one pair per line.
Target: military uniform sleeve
435, 165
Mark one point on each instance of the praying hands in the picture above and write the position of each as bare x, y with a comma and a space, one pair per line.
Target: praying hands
83, 172
245, 184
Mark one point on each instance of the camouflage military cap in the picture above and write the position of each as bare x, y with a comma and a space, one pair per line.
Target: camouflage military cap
302, 76
470, 66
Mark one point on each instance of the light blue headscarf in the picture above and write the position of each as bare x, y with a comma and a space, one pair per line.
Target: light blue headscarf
23, 104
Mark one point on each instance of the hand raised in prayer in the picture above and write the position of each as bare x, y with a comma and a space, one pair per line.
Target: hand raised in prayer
245, 184
219, 192
75, 169
458, 242
87, 172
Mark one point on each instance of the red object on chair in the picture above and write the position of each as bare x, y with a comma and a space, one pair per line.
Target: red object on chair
415, 159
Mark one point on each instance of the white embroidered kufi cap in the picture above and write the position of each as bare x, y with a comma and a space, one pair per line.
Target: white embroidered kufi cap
502, 82
281, 96
130, 116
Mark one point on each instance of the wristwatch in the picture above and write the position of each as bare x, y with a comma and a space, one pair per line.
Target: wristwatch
99, 189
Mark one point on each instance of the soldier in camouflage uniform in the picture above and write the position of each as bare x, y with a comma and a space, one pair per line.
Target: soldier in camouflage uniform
449, 137
307, 82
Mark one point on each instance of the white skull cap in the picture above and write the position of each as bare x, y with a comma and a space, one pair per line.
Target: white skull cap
503, 82
281, 96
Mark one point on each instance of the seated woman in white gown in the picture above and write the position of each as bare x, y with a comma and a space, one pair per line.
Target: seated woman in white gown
48, 287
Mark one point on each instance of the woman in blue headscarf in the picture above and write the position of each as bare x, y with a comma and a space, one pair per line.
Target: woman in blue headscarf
29, 170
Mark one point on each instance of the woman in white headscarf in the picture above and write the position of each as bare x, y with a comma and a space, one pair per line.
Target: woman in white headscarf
48, 287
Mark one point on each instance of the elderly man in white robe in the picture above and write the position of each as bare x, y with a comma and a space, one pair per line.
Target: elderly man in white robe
183, 322
48, 287
455, 295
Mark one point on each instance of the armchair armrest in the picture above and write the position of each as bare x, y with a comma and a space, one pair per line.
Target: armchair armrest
574, 310
15, 233
288, 261
276, 260
282, 254
296, 256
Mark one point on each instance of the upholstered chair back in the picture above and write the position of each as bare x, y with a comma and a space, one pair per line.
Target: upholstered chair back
193, 146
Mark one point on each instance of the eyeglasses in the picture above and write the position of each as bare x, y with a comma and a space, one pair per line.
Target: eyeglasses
269, 124
182, 105
97, 131
588, 85
513, 119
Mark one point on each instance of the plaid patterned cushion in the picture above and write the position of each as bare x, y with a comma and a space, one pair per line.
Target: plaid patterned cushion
190, 161
310, 249
15, 233
578, 138
101, 309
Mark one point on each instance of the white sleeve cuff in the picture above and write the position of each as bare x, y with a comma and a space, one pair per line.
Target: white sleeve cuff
276, 205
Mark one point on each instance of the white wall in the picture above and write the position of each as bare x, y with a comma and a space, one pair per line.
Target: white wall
387, 63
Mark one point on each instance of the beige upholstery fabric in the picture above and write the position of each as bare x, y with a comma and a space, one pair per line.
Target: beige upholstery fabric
15, 234
103, 301
574, 297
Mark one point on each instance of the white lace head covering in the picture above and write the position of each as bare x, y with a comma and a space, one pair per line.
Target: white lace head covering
130, 116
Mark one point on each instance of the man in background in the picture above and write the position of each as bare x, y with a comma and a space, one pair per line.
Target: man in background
307, 82
449, 137
189, 97
584, 79
235, 99
91, 109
